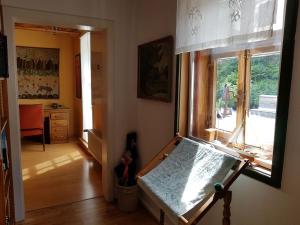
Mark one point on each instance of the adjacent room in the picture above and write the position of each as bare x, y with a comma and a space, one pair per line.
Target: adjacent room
61, 148
135, 112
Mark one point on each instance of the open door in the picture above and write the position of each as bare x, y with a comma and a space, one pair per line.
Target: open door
87, 113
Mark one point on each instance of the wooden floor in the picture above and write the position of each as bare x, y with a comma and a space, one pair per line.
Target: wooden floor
63, 174
89, 212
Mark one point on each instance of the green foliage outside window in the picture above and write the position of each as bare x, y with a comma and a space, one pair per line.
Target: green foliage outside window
264, 79
227, 75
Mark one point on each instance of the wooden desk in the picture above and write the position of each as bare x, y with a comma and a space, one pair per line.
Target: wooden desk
58, 124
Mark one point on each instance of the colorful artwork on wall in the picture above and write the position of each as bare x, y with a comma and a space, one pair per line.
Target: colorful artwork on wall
38, 73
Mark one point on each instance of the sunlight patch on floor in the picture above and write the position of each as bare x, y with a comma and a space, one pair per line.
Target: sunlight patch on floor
44, 170
43, 165
49, 165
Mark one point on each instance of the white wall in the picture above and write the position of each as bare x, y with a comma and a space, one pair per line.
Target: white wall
253, 201
154, 19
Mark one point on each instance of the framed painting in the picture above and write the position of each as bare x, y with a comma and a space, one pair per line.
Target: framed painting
78, 75
38, 72
155, 69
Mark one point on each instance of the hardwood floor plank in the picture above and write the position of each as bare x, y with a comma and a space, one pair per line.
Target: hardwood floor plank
62, 174
58, 182
88, 212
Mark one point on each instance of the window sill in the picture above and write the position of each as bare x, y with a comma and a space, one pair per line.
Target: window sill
210, 136
267, 164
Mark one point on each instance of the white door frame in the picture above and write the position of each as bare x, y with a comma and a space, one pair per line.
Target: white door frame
13, 15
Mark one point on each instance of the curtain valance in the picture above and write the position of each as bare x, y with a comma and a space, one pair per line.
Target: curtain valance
205, 24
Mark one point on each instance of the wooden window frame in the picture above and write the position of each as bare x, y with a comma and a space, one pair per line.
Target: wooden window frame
286, 70
243, 82
224, 134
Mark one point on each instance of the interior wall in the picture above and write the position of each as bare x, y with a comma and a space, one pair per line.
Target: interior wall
99, 75
253, 202
64, 42
154, 20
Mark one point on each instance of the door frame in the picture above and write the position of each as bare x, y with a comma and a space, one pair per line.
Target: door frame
13, 15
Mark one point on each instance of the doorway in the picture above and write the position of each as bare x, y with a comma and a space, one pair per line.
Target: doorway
45, 68
13, 15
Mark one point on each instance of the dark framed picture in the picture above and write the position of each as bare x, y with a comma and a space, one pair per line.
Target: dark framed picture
155, 69
38, 72
78, 76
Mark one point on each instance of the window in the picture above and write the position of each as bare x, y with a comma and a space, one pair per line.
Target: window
261, 115
226, 93
243, 90
236, 97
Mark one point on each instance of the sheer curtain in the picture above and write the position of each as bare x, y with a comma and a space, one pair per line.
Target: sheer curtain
85, 55
205, 24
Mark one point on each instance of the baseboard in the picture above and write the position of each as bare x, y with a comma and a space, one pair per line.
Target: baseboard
82, 144
84, 147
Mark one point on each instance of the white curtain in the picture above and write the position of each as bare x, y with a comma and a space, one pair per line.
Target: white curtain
205, 24
85, 55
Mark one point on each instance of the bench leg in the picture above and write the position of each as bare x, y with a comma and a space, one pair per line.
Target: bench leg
226, 210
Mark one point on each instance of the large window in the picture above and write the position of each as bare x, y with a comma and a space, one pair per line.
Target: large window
235, 94
236, 97
246, 102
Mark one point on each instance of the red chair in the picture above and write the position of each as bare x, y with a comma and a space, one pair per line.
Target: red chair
32, 121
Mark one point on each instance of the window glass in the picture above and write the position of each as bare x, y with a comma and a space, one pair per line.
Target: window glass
261, 116
244, 121
226, 93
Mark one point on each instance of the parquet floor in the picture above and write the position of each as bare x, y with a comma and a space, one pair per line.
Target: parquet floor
88, 212
62, 174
